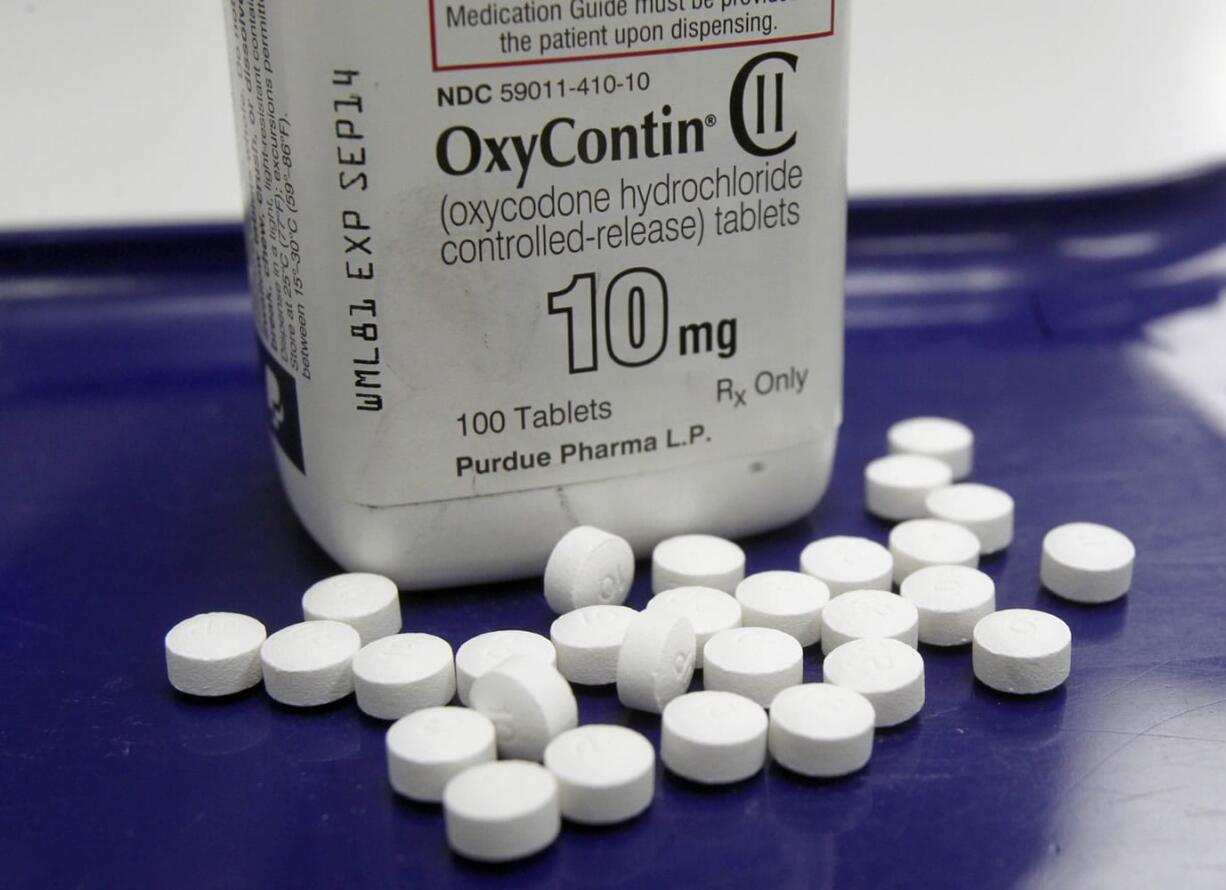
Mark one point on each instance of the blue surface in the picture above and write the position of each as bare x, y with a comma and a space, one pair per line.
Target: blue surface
136, 488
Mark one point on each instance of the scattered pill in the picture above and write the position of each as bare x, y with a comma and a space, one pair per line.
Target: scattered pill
500, 811
950, 600
369, 603
788, 601
756, 662
709, 611
310, 663
1022, 651
697, 561
713, 737
895, 486
529, 702
859, 614
1086, 562
917, 543
588, 566
427, 748
656, 662
845, 563
890, 674
984, 510
605, 773
747, 632
588, 641
403, 673
482, 652
822, 730
216, 653
947, 440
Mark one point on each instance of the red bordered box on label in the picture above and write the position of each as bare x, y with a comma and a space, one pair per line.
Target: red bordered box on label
467, 36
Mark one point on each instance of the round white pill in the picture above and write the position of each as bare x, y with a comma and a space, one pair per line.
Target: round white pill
1022, 651
788, 601
215, 653
947, 440
427, 748
756, 662
403, 673
656, 662
697, 561
588, 566
529, 702
1086, 562
606, 774
950, 601
845, 563
588, 641
888, 673
482, 652
708, 610
497, 812
984, 510
895, 486
860, 614
368, 603
310, 663
713, 737
823, 730
917, 543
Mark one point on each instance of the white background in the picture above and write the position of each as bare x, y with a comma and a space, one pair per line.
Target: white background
117, 111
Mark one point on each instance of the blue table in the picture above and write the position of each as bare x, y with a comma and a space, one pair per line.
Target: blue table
136, 488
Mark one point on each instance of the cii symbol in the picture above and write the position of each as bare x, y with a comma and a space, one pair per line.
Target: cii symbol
756, 105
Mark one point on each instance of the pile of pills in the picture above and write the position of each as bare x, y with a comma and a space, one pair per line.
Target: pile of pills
512, 763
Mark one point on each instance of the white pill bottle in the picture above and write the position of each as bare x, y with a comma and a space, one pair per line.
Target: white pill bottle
519, 266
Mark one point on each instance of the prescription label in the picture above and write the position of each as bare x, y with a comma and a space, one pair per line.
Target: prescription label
510, 245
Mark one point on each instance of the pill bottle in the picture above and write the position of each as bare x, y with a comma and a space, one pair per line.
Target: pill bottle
522, 265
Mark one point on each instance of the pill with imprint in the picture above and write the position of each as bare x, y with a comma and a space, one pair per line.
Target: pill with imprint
756, 662
427, 748
501, 811
482, 652
697, 561
310, 663
367, 602
1086, 562
889, 673
588, 566
713, 737
588, 641
216, 653
656, 661
396, 675
709, 611
1021, 651
846, 563
605, 773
